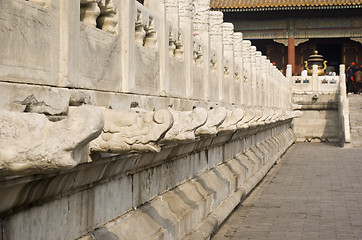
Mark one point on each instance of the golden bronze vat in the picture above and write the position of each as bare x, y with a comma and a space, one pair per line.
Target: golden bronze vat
318, 60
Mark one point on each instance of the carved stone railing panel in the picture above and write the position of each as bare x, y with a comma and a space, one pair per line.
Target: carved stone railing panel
132, 131
215, 117
186, 123
30, 143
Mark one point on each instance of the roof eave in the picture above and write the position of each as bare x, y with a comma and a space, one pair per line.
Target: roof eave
287, 8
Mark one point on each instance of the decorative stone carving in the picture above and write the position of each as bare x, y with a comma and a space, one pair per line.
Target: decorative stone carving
228, 35
249, 115
197, 52
253, 54
186, 123
258, 66
254, 121
89, 11
216, 19
30, 143
133, 131
265, 115
107, 20
215, 117
297, 114
237, 73
201, 18
238, 41
171, 3
186, 8
213, 60
232, 119
270, 117
278, 115
226, 68
246, 44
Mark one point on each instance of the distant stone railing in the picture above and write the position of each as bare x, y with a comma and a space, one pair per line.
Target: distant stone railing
315, 83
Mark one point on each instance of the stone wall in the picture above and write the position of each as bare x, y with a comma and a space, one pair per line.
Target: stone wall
189, 188
122, 119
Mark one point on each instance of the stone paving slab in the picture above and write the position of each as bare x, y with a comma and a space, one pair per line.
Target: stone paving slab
315, 192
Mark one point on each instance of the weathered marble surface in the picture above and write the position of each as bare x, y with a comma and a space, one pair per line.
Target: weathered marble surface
215, 117
232, 118
186, 123
134, 130
30, 143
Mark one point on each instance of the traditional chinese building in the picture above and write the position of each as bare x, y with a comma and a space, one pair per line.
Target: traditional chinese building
289, 31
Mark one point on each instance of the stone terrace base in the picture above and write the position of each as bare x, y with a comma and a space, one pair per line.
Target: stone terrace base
183, 192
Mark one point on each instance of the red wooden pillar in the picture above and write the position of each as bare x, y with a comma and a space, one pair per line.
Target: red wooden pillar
291, 53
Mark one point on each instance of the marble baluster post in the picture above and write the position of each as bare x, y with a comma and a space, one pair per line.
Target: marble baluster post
258, 81
186, 25
201, 31
263, 80
239, 70
253, 75
267, 83
246, 44
228, 42
69, 34
282, 90
159, 7
274, 69
216, 19
128, 17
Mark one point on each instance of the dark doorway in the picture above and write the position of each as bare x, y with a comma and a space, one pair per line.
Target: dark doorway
332, 53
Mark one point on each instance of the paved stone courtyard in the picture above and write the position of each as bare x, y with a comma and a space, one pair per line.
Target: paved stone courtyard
315, 192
